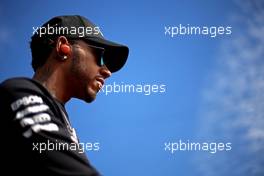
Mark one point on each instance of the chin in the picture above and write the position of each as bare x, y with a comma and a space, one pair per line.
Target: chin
90, 96
89, 99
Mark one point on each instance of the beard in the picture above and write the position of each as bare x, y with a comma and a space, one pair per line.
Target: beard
89, 95
84, 90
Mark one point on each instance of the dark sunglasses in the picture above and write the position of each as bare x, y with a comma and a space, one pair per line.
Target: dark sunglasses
99, 54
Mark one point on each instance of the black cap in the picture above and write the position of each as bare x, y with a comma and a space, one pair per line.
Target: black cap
78, 27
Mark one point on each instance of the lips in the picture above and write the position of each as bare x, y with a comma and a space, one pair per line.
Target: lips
100, 82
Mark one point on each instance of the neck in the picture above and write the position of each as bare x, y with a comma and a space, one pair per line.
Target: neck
54, 81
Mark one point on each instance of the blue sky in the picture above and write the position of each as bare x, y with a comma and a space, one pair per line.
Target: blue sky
206, 97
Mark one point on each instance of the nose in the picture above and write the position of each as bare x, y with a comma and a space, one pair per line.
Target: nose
105, 72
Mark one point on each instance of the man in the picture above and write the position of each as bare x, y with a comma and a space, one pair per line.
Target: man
70, 58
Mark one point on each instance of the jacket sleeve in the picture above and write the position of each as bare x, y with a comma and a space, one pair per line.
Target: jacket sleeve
37, 139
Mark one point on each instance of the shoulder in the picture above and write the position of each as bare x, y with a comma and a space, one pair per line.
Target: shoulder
21, 86
27, 104
17, 84
18, 92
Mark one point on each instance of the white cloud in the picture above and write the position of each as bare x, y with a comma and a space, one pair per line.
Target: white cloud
234, 102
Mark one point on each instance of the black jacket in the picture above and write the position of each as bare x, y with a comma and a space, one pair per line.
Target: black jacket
37, 136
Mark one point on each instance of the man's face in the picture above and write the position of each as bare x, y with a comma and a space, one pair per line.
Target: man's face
86, 72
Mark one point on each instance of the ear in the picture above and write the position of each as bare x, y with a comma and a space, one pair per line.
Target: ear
63, 47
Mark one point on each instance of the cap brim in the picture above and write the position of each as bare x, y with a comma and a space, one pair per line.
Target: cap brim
115, 54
